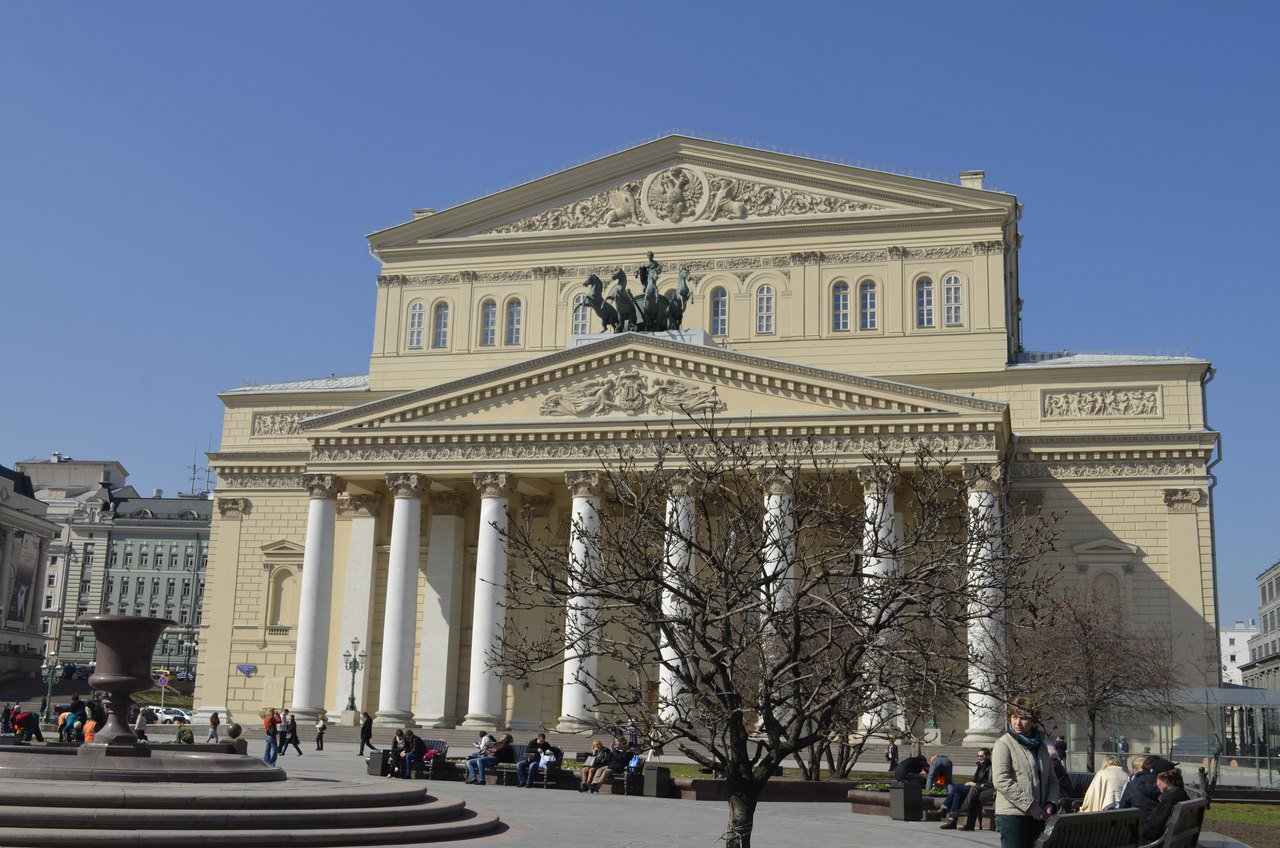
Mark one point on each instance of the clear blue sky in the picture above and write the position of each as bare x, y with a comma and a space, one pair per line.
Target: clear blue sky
185, 187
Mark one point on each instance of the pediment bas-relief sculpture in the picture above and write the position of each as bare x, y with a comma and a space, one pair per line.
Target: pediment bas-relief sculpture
685, 194
631, 393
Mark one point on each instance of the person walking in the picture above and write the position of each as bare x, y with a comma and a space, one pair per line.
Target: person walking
214, 723
321, 726
271, 725
282, 733
366, 734
140, 725
1026, 787
291, 734
891, 753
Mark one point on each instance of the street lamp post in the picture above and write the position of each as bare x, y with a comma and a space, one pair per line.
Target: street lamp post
190, 645
51, 672
353, 660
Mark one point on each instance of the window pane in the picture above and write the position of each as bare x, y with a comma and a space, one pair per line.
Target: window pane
719, 312
924, 303
488, 323
867, 306
440, 326
581, 324
764, 309
513, 322
840, 307
952, 301
417, 313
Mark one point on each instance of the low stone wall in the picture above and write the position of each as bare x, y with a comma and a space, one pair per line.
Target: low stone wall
710, 789
869, 802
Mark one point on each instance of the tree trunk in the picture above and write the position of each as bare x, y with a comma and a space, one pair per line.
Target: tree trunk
1093, 737
743, 795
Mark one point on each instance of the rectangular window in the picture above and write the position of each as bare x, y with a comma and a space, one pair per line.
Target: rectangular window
140, 588
1231, 641
952, 306
78, 644
719, 314
186, 588
52, 580
187, 563
86, 554
169, 587
183, 619
173, 559
111, 585
155, 586
45, 625
128, 557
48, 601
868, 308
112, 555
81, 610
144, 558
924, 306
124, 585
513, 322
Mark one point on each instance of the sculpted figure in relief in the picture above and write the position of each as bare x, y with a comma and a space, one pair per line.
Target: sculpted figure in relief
632, 393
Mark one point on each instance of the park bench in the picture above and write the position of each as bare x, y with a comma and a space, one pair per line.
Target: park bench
631, 778
1106, 829
506, 772
431, 767
1183, 829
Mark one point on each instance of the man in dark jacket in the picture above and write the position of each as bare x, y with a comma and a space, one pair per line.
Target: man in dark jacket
968, 797
412, 753
1141, 791
527, 768
912, 768
619, 758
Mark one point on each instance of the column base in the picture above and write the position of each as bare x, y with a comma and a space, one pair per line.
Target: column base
393, 718
526, 724
478, 721
307, 714
576, 724
976, 737
350, 718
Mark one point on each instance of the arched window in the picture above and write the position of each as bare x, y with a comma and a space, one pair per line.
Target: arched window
952, 300
489, 323
512, 334
924, 302
719, 312
417, 316
440, 326
764, 309
868, 317
840, 307
581, 324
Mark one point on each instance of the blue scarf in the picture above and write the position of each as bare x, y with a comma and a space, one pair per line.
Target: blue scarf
1032, 740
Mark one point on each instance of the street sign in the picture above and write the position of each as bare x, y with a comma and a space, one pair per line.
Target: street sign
163, 681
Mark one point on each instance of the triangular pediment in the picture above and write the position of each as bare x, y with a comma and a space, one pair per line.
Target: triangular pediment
282, 548
681, 182
636, 380
1105, 548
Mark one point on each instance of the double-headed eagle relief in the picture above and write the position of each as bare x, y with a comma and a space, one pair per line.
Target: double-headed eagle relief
650, 311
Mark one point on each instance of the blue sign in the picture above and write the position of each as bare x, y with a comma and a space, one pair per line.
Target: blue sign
247, 670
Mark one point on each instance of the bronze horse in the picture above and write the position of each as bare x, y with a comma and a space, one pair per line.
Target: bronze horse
605, 311
625, 303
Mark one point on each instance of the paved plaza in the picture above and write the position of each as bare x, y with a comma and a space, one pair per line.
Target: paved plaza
573, 820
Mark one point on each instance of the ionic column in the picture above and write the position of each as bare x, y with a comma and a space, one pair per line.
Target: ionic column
677, 570
779, 541
488, 615
441, 629
986, 628
394, 705
577, 705
357, 600
316, 596
878, 560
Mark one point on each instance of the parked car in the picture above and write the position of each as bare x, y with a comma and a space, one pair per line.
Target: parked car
166, 715
186, 675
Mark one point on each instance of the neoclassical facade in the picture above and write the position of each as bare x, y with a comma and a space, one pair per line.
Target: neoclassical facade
850, 305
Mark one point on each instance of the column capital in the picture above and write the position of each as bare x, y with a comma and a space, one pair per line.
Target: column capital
776, 482
493, 484
1183, 500
583, 484
982, 477
679, 484
323, 485
232, 509
407, 485
360, 506
448, 503
875, 480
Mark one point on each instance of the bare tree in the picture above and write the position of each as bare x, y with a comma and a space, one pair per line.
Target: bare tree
741, 576
1084, 658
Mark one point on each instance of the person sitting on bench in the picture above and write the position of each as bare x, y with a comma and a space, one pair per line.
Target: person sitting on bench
528, 767
968, 796
619, 757
1171, 792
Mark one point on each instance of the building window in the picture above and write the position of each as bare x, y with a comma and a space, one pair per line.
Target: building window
952, 301
489, 323
111, 556
87, 555
144, 558
77, 644
52, 580
183, 619
140, 588
124, 585
1233, 658
169, 588
719, 312
1231, 641
868, 306
48, 601
111, 585
840, 307
173, 559
200, 591
190, 558
581, 323
186, 588
440, 326
128, 557
45, 626
764, 309
924, 302
512, 334
155, 586
417, 314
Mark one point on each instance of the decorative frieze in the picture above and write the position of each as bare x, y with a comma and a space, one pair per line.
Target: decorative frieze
493, 484
1102, 470
631, 393
982, 248
591, 449
407, 485
583, 484
234, 480
281, 423
323, 485
359, 506
232, 509
1183, 500
1137, 402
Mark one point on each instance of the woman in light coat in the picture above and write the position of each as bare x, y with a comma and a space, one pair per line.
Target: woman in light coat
1026, 787
1104, 791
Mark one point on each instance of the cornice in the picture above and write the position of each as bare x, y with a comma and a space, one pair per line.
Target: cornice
532, 373
1095, 439
284, 456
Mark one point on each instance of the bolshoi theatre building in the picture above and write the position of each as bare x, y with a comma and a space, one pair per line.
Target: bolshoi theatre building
854, 306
